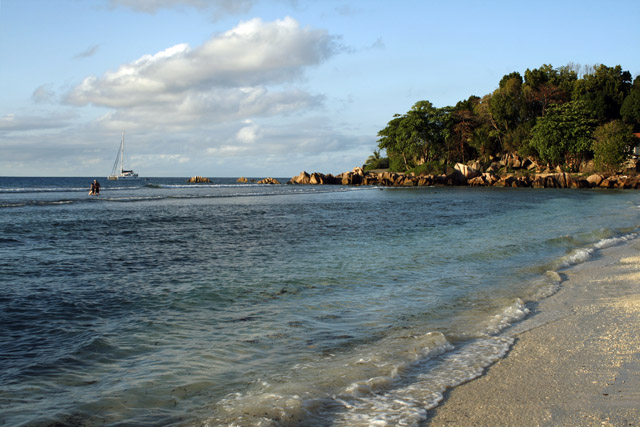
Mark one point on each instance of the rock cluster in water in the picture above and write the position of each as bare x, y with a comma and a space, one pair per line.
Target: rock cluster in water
525, 174
197, 179
268, 181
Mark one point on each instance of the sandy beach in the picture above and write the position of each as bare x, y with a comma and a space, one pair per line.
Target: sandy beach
575, 361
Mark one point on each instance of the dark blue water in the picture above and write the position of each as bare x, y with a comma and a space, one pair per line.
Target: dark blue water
162, 303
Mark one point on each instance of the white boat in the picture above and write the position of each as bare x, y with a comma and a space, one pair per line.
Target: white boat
119, 172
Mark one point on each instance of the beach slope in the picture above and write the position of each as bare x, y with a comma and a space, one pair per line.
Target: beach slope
576, 360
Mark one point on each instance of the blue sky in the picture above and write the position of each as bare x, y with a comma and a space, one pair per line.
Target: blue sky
264, 87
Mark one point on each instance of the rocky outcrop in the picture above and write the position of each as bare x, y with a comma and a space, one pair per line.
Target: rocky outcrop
318, 179
197, 180
314, 178
484, 180
303, 178
467, 171
268, 181
508, 171
595, 180
242, 180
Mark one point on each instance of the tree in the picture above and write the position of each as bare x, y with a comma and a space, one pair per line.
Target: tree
463, 122
505, 105
507, 109
563, 135
614, 142
417, 136
391, 140
376, 161
545, 86
630, 110
551, 113
604, 91
427, 129
485, 139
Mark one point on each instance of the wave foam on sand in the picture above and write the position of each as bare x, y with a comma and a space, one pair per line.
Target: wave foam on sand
575, 362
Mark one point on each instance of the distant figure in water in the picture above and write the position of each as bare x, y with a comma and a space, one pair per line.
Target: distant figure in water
95, 188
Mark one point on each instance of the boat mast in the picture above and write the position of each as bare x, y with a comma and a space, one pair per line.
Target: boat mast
122, 155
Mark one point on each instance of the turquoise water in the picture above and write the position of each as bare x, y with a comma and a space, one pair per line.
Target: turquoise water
161, 303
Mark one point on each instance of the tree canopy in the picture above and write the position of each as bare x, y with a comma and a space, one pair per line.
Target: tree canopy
563, 135
550, 114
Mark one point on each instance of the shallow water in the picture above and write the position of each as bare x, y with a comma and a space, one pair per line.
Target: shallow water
162, 303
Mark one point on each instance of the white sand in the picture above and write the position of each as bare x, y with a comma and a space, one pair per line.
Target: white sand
576, 361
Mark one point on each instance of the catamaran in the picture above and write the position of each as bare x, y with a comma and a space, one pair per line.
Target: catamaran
118, 171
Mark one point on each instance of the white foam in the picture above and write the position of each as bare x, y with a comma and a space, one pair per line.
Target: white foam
422, 348
410, 381
578, 256
581, 255
408, 405
613, 241
336, 385
509, 315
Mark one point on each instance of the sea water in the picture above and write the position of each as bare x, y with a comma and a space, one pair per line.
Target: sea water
165, 303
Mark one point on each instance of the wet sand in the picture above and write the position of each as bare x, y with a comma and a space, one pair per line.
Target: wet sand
576, 360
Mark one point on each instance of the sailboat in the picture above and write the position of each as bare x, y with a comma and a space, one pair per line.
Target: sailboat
118, 172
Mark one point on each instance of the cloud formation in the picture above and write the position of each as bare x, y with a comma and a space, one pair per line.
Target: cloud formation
88, 52
229, 77
14, 123
220, 6
43, 94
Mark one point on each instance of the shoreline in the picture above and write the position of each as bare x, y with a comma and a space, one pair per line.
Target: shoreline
464, 176
575, 361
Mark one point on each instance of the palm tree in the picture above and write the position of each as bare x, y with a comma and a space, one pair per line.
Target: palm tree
373, 158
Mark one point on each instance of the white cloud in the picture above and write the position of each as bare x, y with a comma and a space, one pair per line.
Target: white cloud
226, 78
248, 134
205, 109
238, 99
219, 6
26, 123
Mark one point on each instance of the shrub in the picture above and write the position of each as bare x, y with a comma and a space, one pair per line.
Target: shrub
381, 163
614, 142
434, 167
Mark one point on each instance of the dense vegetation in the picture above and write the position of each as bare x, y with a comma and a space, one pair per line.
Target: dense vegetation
563, 117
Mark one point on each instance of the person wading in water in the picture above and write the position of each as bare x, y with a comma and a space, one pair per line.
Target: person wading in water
95, 188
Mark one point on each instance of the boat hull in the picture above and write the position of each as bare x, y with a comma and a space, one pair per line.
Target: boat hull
123, 177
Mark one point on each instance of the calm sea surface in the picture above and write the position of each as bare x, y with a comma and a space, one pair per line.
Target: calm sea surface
162, 303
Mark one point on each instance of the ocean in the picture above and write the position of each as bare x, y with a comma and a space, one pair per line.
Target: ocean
165, 303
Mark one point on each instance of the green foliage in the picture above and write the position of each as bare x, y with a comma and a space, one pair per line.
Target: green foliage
434, 167
546, 86
562, 78
510, 79
518, 139
604, 91
563, 135
483, 142
550, 114
416, 136
376, 161
396, 163
630, 110
613, 143
506, 105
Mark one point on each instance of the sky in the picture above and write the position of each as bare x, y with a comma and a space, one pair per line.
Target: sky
257, 88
